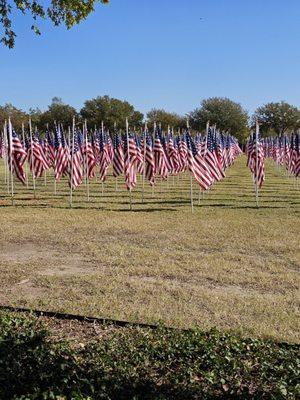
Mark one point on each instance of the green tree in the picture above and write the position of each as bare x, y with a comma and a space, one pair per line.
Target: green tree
222, 112
67, 12
17, 116
278, 118
166, 119
35, 115
58, 112
110, 111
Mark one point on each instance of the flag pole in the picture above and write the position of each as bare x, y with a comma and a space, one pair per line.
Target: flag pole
32, 169
128, 155
26, 165
86, 161
4, 150
144, 162
7, 179
102, 131
191, 179
72, 160
256, 163
11, 165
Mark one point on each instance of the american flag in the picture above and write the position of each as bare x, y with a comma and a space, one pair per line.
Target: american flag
138, 156
129, 167
104, 156
295, 154
149, 160
75, 168
160, 157
210, 157
36, 157
256, 159
61, 154
183, 153
173, 156
196, 165
89, 157
16, 157
49, 149
118, 159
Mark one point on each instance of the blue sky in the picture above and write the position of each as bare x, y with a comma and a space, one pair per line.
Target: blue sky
160, 53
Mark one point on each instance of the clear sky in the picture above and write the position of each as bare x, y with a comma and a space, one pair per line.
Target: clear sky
160, 53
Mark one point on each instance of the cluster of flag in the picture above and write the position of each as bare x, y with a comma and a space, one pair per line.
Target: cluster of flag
284, 151
81, 154
256, 158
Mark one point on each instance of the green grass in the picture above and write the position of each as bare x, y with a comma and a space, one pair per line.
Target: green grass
228, 265
135, 363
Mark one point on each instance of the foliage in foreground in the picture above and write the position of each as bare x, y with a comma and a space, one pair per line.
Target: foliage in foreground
135, 363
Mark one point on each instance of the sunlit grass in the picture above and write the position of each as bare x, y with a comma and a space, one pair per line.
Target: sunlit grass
228, 264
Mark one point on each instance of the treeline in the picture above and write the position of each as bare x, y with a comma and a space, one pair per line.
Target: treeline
274, 118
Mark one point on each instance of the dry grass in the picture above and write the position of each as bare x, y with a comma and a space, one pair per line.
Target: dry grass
228, 265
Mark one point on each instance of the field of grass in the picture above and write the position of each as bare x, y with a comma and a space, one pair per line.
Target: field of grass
228, 264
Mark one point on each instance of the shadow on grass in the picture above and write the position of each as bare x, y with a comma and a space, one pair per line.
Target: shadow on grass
33, 367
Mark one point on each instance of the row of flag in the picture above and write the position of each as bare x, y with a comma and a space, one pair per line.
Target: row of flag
81, 154
284, 150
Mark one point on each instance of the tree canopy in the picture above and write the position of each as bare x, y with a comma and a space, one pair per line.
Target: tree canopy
111, 111
66, 12
278, 118
17, 116
58, 112
165, 118
222, 112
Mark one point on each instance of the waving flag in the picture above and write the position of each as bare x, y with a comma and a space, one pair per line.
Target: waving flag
118, 158
16, 156
61, 154
197, 166
161, 164
75, 169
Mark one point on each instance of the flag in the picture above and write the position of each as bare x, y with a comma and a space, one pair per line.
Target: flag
75, 167
118, 158
16, 156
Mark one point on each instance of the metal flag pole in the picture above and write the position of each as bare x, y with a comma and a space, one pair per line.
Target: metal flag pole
191, 179
6, 156
11, 165
72, 160
3, 153
32, 168
86, 162
115, 138
45, 181
102, 133
56, 132
128, 159
256, 163
26, 165
144, 162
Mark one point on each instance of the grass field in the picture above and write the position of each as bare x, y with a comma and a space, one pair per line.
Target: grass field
228, 265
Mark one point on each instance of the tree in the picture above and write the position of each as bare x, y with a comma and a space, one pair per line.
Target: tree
17, 116
277, 118
58, 112
110, 111
166, 119
67, 12
35, 115
222, 112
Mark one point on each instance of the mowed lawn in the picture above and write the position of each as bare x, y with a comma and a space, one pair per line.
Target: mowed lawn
228, 264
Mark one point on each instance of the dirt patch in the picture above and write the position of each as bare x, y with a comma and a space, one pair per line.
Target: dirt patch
21, 253
48, 260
